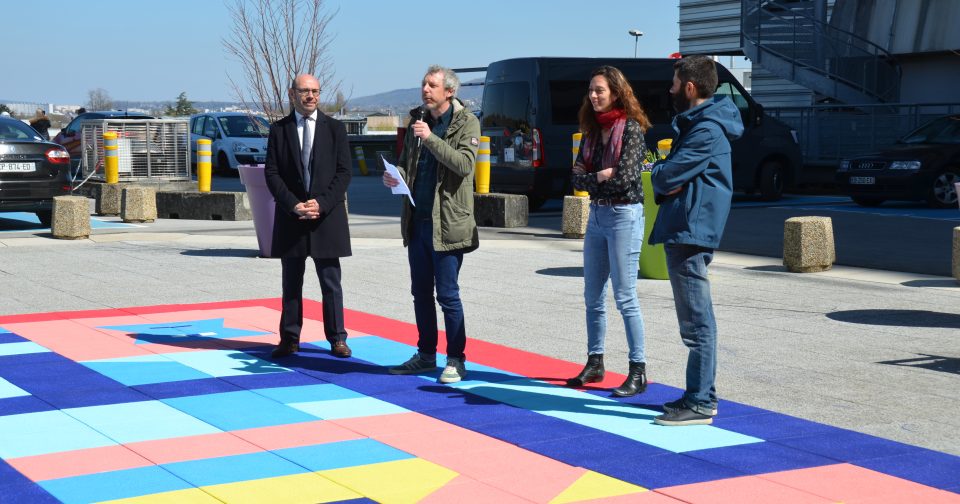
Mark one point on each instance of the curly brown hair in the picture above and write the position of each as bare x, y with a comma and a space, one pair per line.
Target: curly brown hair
620, 87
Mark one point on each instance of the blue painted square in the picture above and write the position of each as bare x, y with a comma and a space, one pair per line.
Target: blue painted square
144, 369
928, 467
348, 408
256, 381
232, 469
114, 485
188, 388
342, 454
593, 451
44, 376
25, 404
770, 426
8, 337
307, 393
760, 458
17, 488
140, 421
239, 410
846, 446
46, 432
226, 362
21, 348
659, 471
8, 389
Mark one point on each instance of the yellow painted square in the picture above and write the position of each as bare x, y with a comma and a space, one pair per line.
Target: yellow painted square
293, 489
594, 485
399, 481
187, 496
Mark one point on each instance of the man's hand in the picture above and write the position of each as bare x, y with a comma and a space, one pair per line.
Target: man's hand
421, 130
308, 210
605, 174
389, 181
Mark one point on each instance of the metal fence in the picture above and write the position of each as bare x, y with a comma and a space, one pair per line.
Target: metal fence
829, 133
149, 149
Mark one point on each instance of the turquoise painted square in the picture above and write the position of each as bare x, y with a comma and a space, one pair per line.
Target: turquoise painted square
238, 410
140, 421
46, 432
144, 369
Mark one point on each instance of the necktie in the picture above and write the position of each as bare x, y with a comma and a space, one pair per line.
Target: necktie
306, 148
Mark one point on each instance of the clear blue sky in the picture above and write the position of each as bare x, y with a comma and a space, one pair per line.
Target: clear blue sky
153, 50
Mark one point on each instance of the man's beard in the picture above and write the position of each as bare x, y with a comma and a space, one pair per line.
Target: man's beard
679, 101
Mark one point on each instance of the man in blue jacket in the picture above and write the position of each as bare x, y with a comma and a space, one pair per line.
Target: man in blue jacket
693, 186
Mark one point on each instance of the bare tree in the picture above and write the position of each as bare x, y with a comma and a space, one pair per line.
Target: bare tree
99, 99
276, 40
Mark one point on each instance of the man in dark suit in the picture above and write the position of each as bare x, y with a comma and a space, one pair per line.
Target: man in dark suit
307, 171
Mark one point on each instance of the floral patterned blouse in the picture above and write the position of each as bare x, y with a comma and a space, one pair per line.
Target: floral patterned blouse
626, 183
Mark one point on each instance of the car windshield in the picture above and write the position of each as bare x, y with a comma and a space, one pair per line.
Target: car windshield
16, 130
245, 126
945, 130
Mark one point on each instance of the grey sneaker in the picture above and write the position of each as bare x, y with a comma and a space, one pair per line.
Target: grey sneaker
454, 372
683, 416
679, 404
414, 365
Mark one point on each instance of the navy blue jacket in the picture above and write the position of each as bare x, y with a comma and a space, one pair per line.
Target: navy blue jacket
699, 163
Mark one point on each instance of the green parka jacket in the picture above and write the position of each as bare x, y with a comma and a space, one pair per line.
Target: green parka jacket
454, 227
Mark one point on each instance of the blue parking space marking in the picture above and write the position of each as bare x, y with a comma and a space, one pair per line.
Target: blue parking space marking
18, 222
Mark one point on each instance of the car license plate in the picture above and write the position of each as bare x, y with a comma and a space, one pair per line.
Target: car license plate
863, 180
18, 167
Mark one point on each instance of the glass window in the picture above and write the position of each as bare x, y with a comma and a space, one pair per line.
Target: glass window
945, 130
728, 90
209, 128
16, 130
244, 126
197, 125
507, 105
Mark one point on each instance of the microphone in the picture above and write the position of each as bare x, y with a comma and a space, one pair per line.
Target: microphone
420, 119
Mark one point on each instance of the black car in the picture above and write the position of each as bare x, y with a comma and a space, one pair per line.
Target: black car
32, 170
923, 165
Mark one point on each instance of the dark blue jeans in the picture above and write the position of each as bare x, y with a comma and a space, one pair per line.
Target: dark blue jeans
430, 269
687, 265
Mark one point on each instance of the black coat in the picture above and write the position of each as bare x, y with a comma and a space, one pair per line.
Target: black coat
328, 236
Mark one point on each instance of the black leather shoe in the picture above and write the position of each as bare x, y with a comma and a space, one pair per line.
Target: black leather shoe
285, 349
636, 381
340, 349
592, 372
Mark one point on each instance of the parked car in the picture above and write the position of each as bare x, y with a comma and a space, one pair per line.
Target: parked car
923, 165
69, 137
530, 107
32, 170
238, 138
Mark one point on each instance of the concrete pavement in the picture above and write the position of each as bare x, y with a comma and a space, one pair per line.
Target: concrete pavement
871, 351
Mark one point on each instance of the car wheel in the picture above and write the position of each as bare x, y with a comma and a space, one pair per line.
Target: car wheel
943, 193
865, 201
223, 164
45, 217
771, 181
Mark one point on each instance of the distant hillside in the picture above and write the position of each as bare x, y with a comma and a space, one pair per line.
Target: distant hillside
402, 100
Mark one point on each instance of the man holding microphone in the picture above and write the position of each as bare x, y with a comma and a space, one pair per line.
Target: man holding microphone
437, 164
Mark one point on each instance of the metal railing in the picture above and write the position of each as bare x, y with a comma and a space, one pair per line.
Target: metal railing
149, 149
785, 31
829, 133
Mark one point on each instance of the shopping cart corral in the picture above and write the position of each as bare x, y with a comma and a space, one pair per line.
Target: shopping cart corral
150, 150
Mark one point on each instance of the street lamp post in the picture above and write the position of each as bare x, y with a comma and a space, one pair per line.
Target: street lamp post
636, 37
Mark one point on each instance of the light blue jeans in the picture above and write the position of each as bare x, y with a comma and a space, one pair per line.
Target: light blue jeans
687, 265
611, 250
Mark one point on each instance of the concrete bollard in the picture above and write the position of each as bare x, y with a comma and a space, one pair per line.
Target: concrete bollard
204, 164
808, 244
139, 204
108, 198
71, 217
956, 253
482, 167
111, 163
361, 161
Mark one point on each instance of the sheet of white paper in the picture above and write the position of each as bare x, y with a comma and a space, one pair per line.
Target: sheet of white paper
402, 187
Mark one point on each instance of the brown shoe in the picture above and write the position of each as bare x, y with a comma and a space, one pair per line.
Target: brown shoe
340, 349
285, 349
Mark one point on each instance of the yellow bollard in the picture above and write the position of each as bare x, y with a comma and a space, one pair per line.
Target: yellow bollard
664, 146
483, 166
111, 163
358, 151
576, 150
204, 168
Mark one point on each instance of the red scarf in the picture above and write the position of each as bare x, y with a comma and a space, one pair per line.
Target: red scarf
615, 120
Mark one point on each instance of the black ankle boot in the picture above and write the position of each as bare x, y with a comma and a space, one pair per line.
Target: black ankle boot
636, 381
592, 372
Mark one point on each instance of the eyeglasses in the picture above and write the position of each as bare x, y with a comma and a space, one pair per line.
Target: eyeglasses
308, 92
